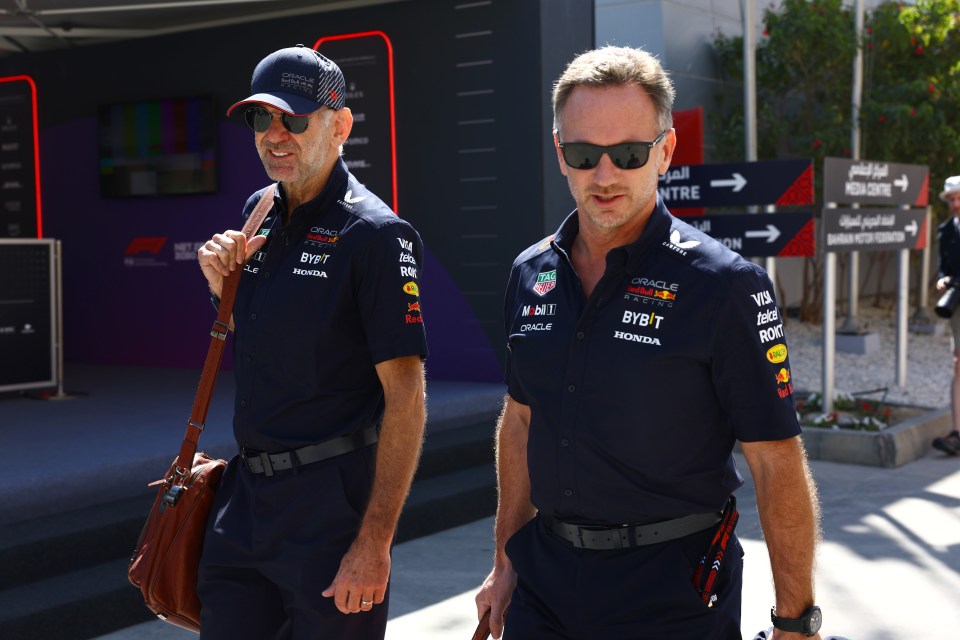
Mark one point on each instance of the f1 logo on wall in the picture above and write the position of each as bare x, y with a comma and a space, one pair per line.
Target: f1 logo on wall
142, 252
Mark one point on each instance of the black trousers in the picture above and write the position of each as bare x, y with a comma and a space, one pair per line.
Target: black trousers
644, 593
273, 544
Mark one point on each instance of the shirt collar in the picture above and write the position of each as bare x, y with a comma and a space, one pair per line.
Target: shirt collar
657, 229
332, 191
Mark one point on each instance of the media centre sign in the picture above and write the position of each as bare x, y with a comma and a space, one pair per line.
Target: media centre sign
848, 181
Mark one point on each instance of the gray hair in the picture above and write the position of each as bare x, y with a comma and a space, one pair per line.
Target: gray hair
617, 66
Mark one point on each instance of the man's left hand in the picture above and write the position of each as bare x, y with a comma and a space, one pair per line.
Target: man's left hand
361, 582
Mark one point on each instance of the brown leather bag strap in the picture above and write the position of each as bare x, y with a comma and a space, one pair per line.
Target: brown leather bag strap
221, 328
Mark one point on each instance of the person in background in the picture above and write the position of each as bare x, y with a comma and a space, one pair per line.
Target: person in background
948, 272
328, 350
639, 351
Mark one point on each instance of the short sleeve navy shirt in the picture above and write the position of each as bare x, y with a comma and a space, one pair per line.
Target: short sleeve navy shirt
332, 293
638, 393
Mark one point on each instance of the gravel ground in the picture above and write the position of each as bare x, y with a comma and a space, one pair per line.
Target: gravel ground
929, 360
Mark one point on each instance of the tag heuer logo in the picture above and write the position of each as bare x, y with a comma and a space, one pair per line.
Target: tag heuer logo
546, 280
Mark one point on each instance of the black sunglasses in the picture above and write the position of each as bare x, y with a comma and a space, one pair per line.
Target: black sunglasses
259, 120
626, 155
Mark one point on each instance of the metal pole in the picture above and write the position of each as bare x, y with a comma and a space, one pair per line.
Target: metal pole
750, 79
922, 315
829, 321
851, 325
903, 295
770, 263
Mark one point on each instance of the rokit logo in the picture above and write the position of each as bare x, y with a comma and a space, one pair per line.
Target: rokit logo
771, 334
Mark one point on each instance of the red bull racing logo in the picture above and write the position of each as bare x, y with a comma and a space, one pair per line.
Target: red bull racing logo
413, 313
783, 378
651, 294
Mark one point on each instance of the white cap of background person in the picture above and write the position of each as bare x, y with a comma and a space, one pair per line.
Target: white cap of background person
950, 185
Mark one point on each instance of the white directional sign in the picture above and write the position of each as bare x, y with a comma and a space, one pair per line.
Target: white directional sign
874, 229
772, 182
786, 234
848, 181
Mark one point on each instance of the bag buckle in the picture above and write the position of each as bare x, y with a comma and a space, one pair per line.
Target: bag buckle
171, 496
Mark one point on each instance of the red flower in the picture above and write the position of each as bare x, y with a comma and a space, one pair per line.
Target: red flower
918, 51
931, 88
913, 113
883, 118
816, 144
846, 152
766, 33
869, 30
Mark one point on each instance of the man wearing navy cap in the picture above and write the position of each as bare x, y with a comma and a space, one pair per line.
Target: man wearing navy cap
948, 238
328, 349
639, 351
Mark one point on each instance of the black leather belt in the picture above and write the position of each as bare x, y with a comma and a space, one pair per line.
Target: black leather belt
631, 535
269, 462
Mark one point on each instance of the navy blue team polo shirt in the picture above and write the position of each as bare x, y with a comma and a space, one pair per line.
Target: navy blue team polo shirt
331, 293
638, 393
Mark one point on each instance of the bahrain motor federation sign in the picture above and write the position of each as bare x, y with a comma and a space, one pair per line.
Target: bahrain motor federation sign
874, 229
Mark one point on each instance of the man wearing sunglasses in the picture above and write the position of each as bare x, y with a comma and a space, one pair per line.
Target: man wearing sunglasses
328, 350
639, 351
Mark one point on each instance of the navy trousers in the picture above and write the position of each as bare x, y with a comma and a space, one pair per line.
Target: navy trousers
273, 544
644, 593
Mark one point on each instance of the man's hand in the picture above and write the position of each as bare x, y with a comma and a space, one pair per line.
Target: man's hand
223, 253
362, 579
494, 597
943, 283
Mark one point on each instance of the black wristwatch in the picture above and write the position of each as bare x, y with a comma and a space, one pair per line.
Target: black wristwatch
808, 624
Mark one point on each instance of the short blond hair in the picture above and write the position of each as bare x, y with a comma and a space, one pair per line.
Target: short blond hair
617, 66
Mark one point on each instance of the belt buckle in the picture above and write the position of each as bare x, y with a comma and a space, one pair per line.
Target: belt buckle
265, 461
575, 535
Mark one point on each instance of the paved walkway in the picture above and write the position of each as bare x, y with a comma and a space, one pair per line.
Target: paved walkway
889, 567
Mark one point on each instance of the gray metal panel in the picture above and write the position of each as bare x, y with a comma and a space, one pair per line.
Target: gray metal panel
28, 304
566, 28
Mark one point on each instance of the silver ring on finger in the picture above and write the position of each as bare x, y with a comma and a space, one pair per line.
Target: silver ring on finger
366, 603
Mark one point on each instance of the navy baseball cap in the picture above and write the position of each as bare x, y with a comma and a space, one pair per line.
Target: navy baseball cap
297, 80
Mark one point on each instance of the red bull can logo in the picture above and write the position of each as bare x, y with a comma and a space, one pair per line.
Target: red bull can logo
783, 376
413, 306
